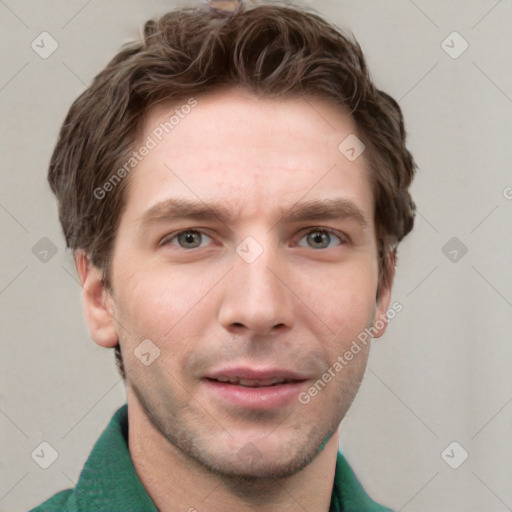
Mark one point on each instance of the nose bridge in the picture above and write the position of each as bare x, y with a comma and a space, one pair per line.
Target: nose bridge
256, 296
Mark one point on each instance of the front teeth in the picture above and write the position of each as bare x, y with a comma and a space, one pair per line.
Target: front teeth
256, 383
249, 382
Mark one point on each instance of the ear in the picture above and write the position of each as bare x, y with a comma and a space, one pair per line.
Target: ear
97, 302
383, 299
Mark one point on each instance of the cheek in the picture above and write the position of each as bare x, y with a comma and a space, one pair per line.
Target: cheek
155, 304
342, 300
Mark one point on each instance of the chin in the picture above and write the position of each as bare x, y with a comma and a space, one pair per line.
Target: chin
265, 468
253, 461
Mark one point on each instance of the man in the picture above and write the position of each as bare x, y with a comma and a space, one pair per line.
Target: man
233, 188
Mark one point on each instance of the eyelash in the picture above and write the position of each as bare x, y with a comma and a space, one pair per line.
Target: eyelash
174, 236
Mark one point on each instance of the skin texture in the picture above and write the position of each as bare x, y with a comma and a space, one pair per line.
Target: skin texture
299, 305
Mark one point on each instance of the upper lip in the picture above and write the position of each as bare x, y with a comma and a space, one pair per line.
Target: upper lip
256, 374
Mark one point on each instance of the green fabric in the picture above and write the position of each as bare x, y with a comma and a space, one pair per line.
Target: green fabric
108, 482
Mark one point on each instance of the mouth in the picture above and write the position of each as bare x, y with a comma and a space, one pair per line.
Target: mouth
253, 383
251, 388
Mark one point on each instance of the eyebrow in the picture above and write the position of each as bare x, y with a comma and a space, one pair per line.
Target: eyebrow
317, 209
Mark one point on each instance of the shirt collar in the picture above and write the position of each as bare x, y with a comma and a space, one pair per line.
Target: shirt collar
109, 481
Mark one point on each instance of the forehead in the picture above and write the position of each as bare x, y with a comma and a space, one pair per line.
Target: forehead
254, 154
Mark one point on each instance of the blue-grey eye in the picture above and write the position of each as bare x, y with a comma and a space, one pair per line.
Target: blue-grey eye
320, 239
188, 239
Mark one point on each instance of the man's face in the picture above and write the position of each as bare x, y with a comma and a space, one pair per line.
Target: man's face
264, 291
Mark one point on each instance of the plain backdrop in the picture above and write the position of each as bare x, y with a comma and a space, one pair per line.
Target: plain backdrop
441, 374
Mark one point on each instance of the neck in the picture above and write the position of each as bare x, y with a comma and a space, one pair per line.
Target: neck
174, 481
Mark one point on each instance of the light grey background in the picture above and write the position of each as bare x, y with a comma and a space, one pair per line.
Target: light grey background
442, 371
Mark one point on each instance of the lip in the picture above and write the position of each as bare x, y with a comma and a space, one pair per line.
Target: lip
255, 398
252, 373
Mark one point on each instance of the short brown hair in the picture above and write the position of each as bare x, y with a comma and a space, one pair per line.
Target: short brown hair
271, 50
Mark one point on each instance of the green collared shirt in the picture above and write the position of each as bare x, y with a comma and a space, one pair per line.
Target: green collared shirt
108, 482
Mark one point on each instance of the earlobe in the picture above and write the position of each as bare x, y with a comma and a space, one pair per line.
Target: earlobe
97, 302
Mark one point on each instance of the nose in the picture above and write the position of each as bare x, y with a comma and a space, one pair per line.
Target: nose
257, 297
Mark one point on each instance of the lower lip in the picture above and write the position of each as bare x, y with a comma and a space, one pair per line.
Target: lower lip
262, 398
